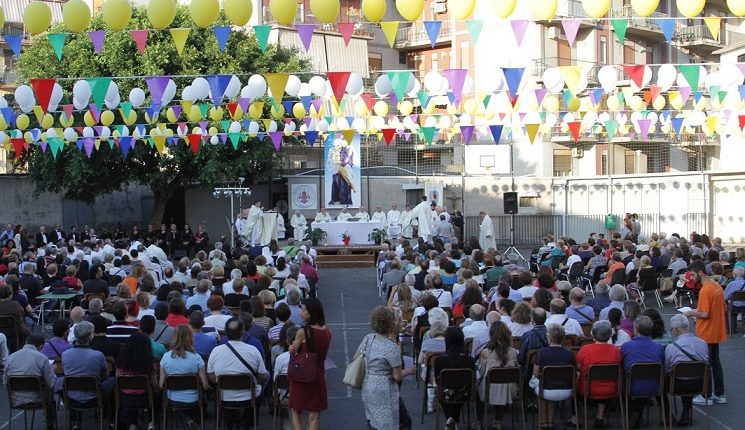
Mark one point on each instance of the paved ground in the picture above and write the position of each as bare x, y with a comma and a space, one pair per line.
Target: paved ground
349, 295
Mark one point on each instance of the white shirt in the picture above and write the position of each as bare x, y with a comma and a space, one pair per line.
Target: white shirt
241, 226
222, 361
343, 216
217, 321
571, 327
573, 259
281, 364
444, 298
380, 217
362, 216
394, 217
527, 291
298, 220
321, 217
471, 330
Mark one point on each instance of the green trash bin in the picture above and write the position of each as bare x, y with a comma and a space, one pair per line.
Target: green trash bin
611, 222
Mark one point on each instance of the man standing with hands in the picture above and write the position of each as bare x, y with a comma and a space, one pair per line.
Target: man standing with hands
710, 326
394, 222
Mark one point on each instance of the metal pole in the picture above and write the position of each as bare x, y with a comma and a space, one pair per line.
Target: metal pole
367, 170
232, 211
320, 177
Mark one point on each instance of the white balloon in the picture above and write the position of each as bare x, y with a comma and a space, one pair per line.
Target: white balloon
713, 80
468, 85
182, 130
569, 117
137, 96
550, 119
666, 75
79, 104
112, 96
552, 79
3, 102
433, 81
245, 92
70, 134
214, 140
235, 127
408, 122
378, 122
317, 86
383, 86
189, 93
201, 88
465, 119
253, 127
622, 118
88, 132
652, 116
233, 88
354, 85
256, 86
608, 77
272, 127
81, 91
411, 83
342, 124
415, 90
290, 127
169, 93
124, 131
24, 96
304, 90
293, 86
323, 126
105, 133
730, 75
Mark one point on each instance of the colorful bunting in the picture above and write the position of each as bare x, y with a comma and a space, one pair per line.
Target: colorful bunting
691, 73
140, 38
456, 78
635, 72
194, 141
14, 41
57, 40
179, 36
399, 82
644, 127
513, 76
222, 34
668, 28
433, 31
574, 129
43, 90
713, 23
496, 132
474, 29
311, 136
346, 29
97, 38
218, 84
99, 88
518, 29
277, 83
467, 132
429, 134
262, 35
619, 26
276, 137
338, 82
571, 28
390, 29
532, 130
305, 32
388, 135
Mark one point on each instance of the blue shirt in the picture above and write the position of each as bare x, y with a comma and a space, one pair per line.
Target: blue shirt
188, 365
642, 349
736, 285
198, 299
204, 343
599, 302
534, 339
583, 314
83, 361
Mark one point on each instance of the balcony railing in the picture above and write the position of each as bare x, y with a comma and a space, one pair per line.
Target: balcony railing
699, 34
361, 28
540, 65
571, 9
9, 78
416, 35
635, 21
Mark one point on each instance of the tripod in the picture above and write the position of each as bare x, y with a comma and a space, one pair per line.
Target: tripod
512, 253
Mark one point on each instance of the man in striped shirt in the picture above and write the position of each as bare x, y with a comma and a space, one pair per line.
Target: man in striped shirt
120, 330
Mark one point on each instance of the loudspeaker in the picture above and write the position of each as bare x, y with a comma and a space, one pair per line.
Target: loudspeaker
510, 203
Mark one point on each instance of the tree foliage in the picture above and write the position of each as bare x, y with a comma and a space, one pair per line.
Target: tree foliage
80, 178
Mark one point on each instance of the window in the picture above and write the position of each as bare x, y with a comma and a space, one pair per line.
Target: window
402, 57
528, 202
603, 57
604, 162
465, 55
375, 61
629, 162
741, 58
562, 162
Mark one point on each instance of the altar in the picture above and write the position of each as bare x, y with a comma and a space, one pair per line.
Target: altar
358, 231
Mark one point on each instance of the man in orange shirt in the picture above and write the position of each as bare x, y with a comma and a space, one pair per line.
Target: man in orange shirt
710, 326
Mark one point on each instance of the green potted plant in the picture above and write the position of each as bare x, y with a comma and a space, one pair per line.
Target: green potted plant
315, 236
378, 236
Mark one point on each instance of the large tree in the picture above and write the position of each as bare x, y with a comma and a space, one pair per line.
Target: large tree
80, 178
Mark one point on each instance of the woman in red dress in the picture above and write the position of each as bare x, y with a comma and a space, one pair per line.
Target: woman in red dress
313, 396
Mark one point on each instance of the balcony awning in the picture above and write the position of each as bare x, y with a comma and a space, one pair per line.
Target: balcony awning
14, 10
328, 52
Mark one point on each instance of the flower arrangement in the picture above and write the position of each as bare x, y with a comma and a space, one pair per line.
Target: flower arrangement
346, 237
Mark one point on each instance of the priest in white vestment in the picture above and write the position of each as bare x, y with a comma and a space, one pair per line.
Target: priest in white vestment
255, 224
323, 216
299, 225
379, 217
407, 223
362, 215
486, 233
394, 222
344, 215
423, 214
281, 229
241, 227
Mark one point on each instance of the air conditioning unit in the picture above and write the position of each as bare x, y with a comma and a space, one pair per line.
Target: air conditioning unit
554, 33
578, 152
439, 7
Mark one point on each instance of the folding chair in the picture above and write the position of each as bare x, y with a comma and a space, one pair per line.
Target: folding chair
27, 385
646, 372
280, 383
182, 383
414, 350
687, 374
429, 361
85, 384
559, 374
732, 311
455, 380
604, 372
244, 382
618, 277
648, 282
10, 328
139, 383
504, 375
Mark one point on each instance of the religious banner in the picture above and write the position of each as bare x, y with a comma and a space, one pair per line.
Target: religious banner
304, 196
433, 191
342, 172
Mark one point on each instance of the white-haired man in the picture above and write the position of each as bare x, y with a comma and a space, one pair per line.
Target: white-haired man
685, 347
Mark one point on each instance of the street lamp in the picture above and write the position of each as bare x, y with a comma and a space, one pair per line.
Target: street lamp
232, 192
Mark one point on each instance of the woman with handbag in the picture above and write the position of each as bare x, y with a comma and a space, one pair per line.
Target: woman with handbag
383, 372
307, 372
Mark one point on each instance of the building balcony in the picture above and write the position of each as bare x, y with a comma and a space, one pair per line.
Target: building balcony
414, 37
362, 29
645, 28
541, 64
571, 9
698, 39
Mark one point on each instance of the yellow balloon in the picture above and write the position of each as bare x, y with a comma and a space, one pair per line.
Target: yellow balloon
238, 12
216, 113
107, 118
676, 101
283, 11
76, 15
3, 126
151, 120
131, 118
325, 10
462, 9
737, 7
160, 13
47, 121
690, 8
22, 122
551, 103
2, 17
543, 9
503, 8
596, 8
574, 104
645, 7
488, 114
374, 10
65, 121
360, 108
298, 110
116, 14
237, 113
381, 108
636, 103
430, 108
213, 131
659, 103
37, 16
406, 107
470, 106
410, 10
195, 114
278, 112
255, 111
28, 137
88, 119
171, 115
204, 12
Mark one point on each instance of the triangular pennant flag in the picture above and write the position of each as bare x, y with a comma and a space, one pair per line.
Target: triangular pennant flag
691, 73
160, 143
99, 88
18, 145
711, 124
14, 41
467, 132
429, 134
474, 29
88, 143
346, 29
741, 120
176, 110
654, 92
179, 36
518, 29
305, 32
574, 129
57, 40
338, 82
349, 135
157, 86
140, 38
496, 132
456, 78
97, 38
222, 34
513, 76
277, 83
369, 100
685, 92
677, 123
635, 72
388, 135
597, 94
262, 35
235, 139
611, 126
311, 136
399, 82
390, 29
713, 23
223, 138
218, 84
619, 26
125, 143
194, 141
276, 137
260, 135
644, 127
433, 31
697, 95
668, 28
532, 130
43, 91
571, 28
